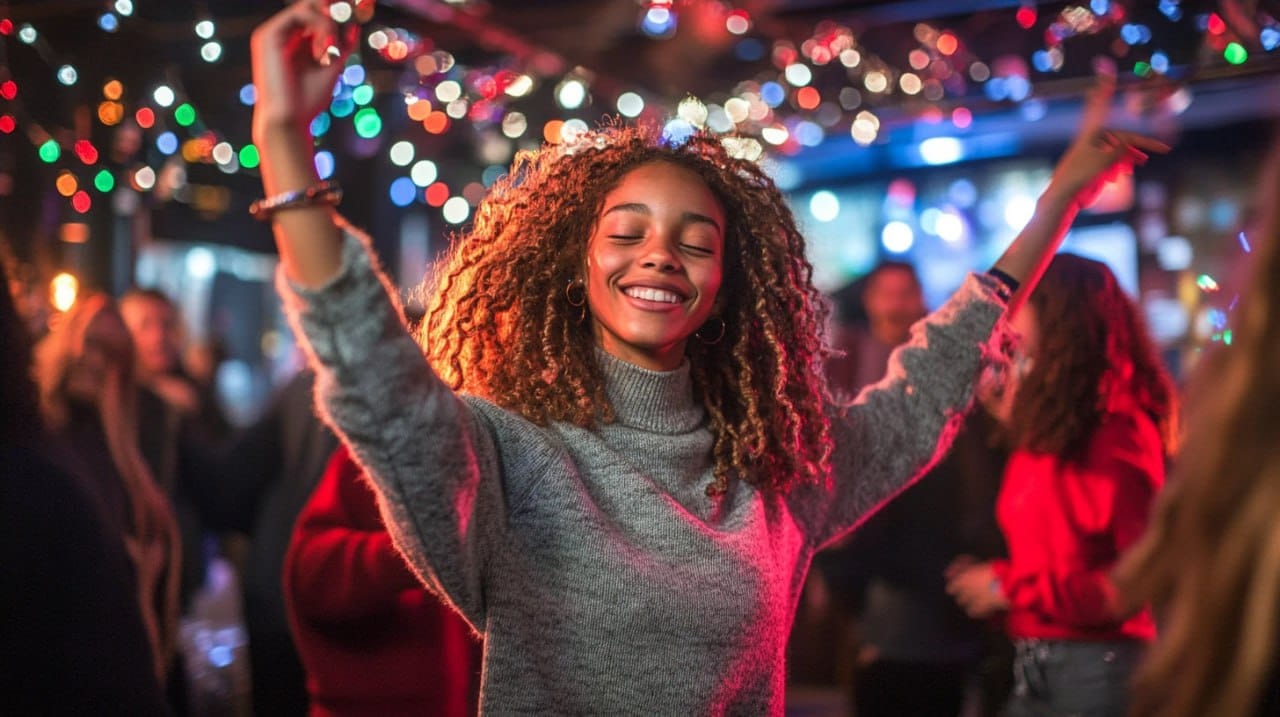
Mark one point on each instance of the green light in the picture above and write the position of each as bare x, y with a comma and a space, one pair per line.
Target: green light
362, 95
50, 151
185, 115
104, 181
1235, 53
1226, 337
1141, 69
368, 124
249, 156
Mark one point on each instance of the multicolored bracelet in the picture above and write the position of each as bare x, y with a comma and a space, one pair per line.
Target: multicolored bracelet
325, 193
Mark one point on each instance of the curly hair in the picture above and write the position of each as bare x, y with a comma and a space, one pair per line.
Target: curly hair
1210, 560
1093, 346
499, 325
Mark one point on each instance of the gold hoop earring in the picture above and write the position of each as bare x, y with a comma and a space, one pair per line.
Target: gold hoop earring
579, 300
719, 336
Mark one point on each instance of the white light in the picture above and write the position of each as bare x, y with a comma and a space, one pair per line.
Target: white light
124, 7
1018, 211
571, 130
692, 110
1174, 253
775, 135
897, 237
448, 91
571, 94
865, 127
798, 74
456, 109
824, 206
737, 109
223, 153
423, 173
340, 11
163, 96
402, 153
27, 34
211, 51
67, 75
876, 81
850, 58
950, 227
520, 86
941, 150
456, 210
145, 178
514, 125
204, 29
201, 263
378, 39
630, 104
717, 119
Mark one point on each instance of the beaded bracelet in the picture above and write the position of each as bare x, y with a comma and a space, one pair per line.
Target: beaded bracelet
327, 193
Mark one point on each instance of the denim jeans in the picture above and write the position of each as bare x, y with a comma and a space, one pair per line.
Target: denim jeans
1058, 678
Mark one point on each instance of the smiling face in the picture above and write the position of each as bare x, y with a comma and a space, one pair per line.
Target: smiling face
654, 264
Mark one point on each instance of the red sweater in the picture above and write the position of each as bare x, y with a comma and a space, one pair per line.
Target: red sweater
1066, 526
372, 639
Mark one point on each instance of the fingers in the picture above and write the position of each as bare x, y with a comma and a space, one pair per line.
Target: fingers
1098, 104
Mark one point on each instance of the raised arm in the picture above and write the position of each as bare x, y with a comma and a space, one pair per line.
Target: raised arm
294, 74
899, 427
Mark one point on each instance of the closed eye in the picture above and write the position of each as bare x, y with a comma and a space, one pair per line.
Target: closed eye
700, 250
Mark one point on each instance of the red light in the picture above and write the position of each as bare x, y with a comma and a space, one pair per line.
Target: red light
8, 89
437, 194
1216, 25
145, 117
86, 151
7, 124
1026, 17
808, 98
81, 202
6, 26
948, 44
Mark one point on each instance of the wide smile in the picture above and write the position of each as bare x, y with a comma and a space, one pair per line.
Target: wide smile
654, 298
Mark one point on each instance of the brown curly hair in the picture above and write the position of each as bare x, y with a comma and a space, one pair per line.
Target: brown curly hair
1093, 345
1210, 560
499, 324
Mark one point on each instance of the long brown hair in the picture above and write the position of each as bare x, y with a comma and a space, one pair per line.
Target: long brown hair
1210, 560
152, 540
1093, 346
499, 325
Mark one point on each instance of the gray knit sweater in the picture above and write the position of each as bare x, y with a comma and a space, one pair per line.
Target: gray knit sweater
604, 579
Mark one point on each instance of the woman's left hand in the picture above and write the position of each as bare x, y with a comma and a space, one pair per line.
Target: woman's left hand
975, 588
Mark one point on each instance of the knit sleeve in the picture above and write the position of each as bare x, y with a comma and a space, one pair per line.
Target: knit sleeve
341, 565
899, 427
431, 459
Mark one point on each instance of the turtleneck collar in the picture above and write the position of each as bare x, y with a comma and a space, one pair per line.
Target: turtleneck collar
654, 401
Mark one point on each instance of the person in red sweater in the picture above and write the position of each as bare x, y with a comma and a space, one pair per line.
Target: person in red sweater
1092, 417
372, 639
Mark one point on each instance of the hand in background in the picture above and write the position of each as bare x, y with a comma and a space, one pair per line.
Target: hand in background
975, 587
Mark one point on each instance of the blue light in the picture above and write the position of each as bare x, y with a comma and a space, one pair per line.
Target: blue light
491, 174
109, 22
167, 143
248, 95
676, 132
1270, 38
772, 94
1041, 60
996, 89
1019, 88
1131, 34
324, 163
1171, 10
941, 150
220, 656
403, 191
321, 124
659, 22
353, 75
342, 107
748, 49
1160, 62
1100, 7
808, 133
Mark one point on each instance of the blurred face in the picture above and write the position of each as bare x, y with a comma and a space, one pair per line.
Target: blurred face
105, 339
894, 302
654, 265
154, 326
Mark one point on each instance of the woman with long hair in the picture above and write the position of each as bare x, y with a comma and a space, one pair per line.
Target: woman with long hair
617, 456
84, 370
1092, 419
1210, 562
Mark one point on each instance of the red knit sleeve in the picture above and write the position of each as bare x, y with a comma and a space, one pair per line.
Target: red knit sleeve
341, 564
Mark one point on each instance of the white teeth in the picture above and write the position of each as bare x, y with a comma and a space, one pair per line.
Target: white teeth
649, 294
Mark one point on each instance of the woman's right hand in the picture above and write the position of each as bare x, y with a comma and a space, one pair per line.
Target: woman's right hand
294, 69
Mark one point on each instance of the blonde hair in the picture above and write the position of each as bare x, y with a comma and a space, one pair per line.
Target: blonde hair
152, 538
1210, 560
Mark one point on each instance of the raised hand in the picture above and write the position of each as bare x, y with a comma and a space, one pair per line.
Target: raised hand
297, 56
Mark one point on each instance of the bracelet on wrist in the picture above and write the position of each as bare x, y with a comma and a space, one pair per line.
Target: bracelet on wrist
327, 193
1007, 286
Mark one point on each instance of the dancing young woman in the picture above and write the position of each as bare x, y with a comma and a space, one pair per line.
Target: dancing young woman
617, 457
